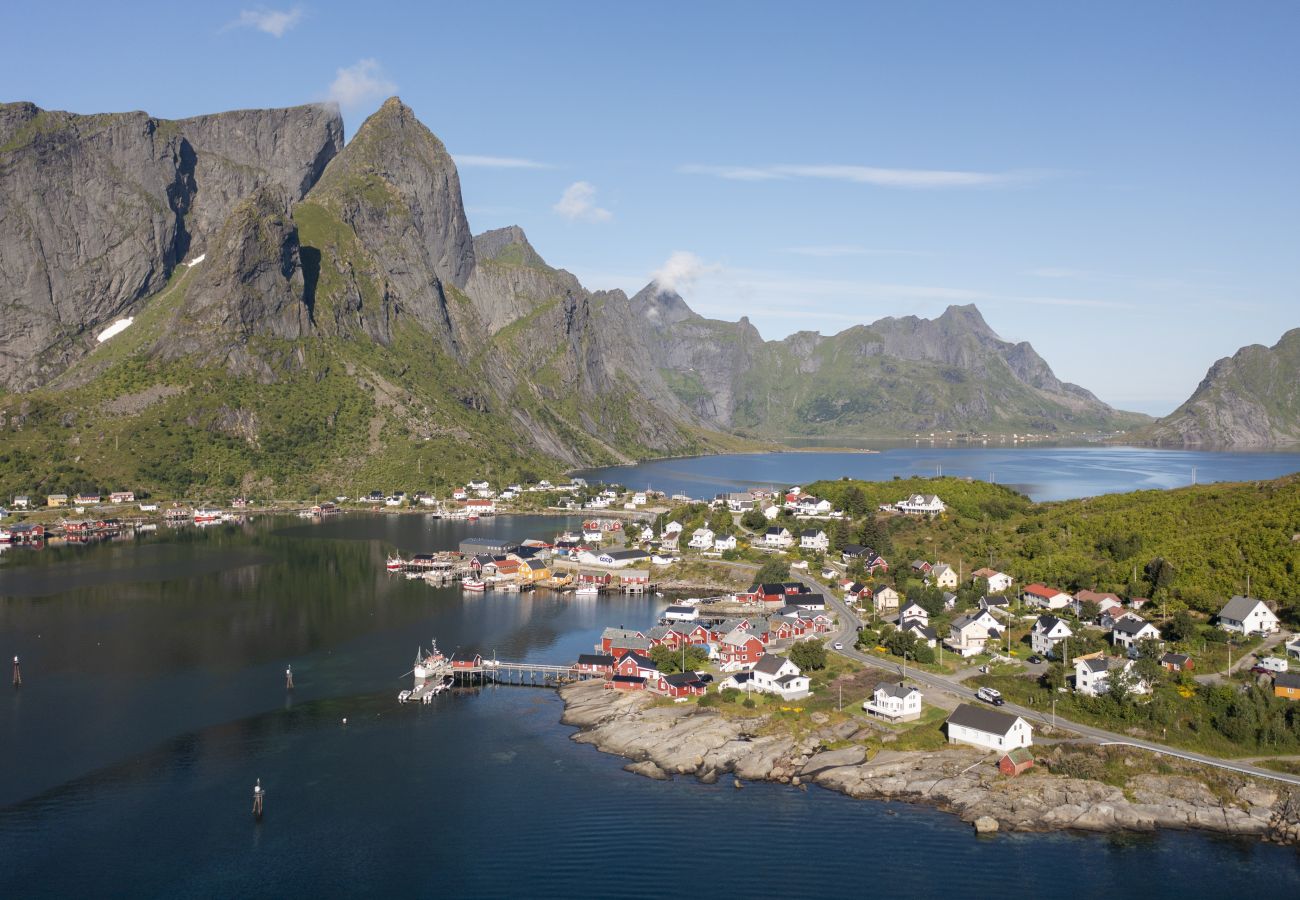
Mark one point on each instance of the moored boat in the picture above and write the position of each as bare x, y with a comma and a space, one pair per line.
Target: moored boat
473, 584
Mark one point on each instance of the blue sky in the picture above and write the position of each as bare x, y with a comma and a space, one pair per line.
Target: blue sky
1115, 183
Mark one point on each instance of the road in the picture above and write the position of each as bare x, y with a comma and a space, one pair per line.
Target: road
848, 635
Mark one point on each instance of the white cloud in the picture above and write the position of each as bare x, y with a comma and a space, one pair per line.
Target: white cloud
681, 270
274, 22
873, 175
359, 84
830, 250
577, 203
499, 162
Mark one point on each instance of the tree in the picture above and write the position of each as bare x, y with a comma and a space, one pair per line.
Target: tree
872, 534
839, 535
854, 501
1089, 611
808, 655
773, 571
669, 661
1147, 665
753, 519
1181, 627
1160, 574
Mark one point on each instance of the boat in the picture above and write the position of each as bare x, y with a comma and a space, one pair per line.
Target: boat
395, 564
206, 516
411, 576
587, 590
473, 584
510, 587
428, 664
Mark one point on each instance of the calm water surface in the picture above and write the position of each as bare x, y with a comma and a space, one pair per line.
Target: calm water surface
1044, 473
154, 697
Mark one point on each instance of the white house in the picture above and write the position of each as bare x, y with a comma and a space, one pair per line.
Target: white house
777, 675
969, 633
701, 539
895, 702
672, 528
988, 728
944, 576
921, 505
998, 581
1092, 674
778, 536
771, 512
920, 631
814, 539
639, 498
885, 598
1047, 632
812, 506
1247, 615
22, 501
1129, 630
682, 613
1045, 597
742, 501
913, 612
724, 542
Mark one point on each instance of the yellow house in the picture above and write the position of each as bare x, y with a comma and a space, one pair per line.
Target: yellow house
56, 500
534, 570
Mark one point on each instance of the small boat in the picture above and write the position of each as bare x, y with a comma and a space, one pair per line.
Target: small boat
395, 564
510, 587
205, 516
473, 584
411, 576
587, 590
403, 696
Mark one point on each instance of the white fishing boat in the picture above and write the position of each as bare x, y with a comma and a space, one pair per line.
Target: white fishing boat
473, 584
395, 564
206, 516
587, 590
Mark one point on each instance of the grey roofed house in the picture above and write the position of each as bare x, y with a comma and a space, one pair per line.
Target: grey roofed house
488, 546
1175, 659
627, 554
1130, 625
680, 610
729, 625
1096, 664
616, 633
684, 679
769, 664
925, 631
991, 602
1238, 608
787, 680
899, 691
658, 633
987, 720
595, 659
640, 659
1287, 680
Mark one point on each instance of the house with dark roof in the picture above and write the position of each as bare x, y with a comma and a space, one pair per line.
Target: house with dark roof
1176, 662
595, 663
778, 675
896, 702
1048, 631
1286, 685
1130, 630
988, 728
681, 685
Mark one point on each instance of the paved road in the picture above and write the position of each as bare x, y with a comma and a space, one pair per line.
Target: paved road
848, 637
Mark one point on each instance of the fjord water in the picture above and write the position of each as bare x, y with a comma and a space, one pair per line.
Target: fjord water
154, 696
1041, 472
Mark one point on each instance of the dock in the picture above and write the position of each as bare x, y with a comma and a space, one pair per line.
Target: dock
435, 673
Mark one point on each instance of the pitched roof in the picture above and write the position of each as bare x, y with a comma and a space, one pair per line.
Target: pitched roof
1287, 680
1176, 659
981, 719
595, 659
1131, 625
770, 664
628, 554
898, 691
1047, 623
1019, 755
1239, 607
643, 662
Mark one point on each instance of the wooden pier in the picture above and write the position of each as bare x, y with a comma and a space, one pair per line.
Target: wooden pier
432, 679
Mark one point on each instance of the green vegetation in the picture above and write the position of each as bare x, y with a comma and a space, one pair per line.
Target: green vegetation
669, 661
809, 655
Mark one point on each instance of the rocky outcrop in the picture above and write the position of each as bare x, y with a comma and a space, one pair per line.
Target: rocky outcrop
1250, 399
688, 740
97, 211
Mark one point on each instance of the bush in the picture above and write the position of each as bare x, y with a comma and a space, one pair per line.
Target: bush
730, 695
749, 703
809, 655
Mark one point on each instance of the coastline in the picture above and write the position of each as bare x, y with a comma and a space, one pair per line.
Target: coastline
661, 740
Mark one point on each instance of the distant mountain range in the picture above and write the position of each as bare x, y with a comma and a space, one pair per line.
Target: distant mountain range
308, 313
1251, 398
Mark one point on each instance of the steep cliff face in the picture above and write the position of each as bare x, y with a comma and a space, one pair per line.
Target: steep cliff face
97, 211
1251, 398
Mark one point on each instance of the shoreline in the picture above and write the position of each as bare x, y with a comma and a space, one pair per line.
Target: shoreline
662, 740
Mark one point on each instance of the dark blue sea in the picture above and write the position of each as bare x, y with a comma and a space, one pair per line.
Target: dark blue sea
154, 697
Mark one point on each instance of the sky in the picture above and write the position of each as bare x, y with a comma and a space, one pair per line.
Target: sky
1115, 183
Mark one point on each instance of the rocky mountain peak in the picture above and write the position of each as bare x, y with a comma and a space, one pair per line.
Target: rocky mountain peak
660, 306
507, 246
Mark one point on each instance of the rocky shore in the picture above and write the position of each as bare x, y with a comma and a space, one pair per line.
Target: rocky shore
664, 740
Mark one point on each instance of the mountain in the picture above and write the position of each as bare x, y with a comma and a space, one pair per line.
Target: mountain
305, 314
894, 377
1251, 398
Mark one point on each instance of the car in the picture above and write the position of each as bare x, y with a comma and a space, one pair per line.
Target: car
839, 646
1035, 659
706, 678
989, 695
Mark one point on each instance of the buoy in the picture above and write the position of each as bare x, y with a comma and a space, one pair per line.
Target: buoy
288, 678
258, 796
345, 720
18, 673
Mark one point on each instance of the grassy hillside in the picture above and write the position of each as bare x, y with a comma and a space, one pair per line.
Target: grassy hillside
1211, 537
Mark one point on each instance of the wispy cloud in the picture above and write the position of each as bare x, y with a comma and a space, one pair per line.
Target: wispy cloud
274, 22
577, 204
832, 250
470, 160
360, 83
681, 270
916, 179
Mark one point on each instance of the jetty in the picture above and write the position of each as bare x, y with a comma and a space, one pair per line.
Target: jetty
435, 673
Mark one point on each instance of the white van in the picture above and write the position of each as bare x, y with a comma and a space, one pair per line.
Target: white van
988, 695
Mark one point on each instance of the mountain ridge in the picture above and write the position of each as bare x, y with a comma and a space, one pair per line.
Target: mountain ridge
328, 315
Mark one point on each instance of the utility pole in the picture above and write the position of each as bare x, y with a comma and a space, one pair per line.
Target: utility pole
1053, 712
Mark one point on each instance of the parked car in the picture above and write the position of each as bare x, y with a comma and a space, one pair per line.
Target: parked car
989, 695
1035, 659
839, 646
